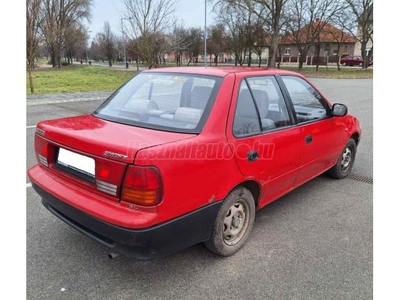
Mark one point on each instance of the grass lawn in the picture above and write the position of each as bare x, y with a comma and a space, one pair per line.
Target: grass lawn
77, 79
333, 73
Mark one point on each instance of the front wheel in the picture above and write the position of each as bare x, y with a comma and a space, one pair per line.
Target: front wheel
345, 161
233, 223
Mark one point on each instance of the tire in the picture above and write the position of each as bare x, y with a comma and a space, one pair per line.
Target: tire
344, 64
360, 64
345, 161
233, 223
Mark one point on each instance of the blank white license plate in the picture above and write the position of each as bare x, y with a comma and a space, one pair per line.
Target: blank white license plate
76, 162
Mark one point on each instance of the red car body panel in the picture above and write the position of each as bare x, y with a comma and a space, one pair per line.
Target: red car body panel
197, 170
92, 135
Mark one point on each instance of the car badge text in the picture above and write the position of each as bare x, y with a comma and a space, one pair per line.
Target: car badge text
115, 155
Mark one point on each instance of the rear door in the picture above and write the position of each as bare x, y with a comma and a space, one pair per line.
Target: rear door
263, 137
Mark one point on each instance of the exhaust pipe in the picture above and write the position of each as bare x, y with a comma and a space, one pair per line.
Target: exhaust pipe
113, 255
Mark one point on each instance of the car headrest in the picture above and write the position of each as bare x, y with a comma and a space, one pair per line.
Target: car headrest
245, 108
142, 106
262, 101
188, 115
199, 96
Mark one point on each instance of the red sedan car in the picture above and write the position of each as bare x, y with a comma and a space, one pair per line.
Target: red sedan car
180, 156
353, 60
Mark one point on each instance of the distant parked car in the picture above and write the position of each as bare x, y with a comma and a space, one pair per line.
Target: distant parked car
353, 60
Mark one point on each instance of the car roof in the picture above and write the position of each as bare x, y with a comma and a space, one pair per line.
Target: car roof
222, 71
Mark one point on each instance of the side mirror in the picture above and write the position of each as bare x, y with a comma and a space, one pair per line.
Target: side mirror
339, 110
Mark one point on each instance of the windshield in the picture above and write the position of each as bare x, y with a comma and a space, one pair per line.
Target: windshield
166, 101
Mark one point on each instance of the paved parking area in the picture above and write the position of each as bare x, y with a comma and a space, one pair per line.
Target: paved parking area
314, 243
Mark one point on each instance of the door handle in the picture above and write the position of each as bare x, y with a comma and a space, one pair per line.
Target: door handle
308, 139
252, 155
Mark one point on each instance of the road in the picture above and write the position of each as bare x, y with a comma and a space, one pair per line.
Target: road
314, 243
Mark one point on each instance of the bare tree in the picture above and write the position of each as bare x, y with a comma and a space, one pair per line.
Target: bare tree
233, 17
271, 11
75, 42
58, 16
32, 36
196, 42
339, 34
262, 40
179, 41
95, 51
107, 42
149, 19
245, 28
306, 19
363, 17
216, 42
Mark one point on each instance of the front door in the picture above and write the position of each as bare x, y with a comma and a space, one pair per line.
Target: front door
315, 125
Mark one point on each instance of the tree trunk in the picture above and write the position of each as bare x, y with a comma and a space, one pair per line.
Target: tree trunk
338, 57
364, 56
273, 49
301, 61
318, 48
30, 77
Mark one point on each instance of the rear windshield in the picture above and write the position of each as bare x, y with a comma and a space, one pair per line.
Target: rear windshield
171, 102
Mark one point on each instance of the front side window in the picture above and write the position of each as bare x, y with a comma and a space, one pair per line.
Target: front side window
172, 102
260, 107
307, 102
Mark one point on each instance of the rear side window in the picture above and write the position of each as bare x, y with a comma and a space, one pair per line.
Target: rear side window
260, 107
166, 101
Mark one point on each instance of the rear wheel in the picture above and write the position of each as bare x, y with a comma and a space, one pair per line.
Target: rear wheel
344, 64
345, 161
233, 223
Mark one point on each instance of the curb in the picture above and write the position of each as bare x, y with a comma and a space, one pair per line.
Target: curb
41, 99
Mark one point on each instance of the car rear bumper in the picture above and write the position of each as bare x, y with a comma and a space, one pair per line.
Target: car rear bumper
148, 243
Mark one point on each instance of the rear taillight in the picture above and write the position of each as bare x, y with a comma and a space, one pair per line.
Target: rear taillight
41, 148
142, 186
105, 182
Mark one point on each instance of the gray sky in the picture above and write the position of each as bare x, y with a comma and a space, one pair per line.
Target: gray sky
191, 12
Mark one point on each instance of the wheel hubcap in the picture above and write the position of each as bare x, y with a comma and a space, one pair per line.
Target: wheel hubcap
346, 160
235, 222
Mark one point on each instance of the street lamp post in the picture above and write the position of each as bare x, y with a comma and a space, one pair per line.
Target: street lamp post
205, 33
123, 37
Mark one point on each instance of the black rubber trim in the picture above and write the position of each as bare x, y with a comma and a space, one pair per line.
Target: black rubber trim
154, 242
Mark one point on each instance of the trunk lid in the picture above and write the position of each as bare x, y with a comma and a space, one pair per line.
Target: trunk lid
98, 137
